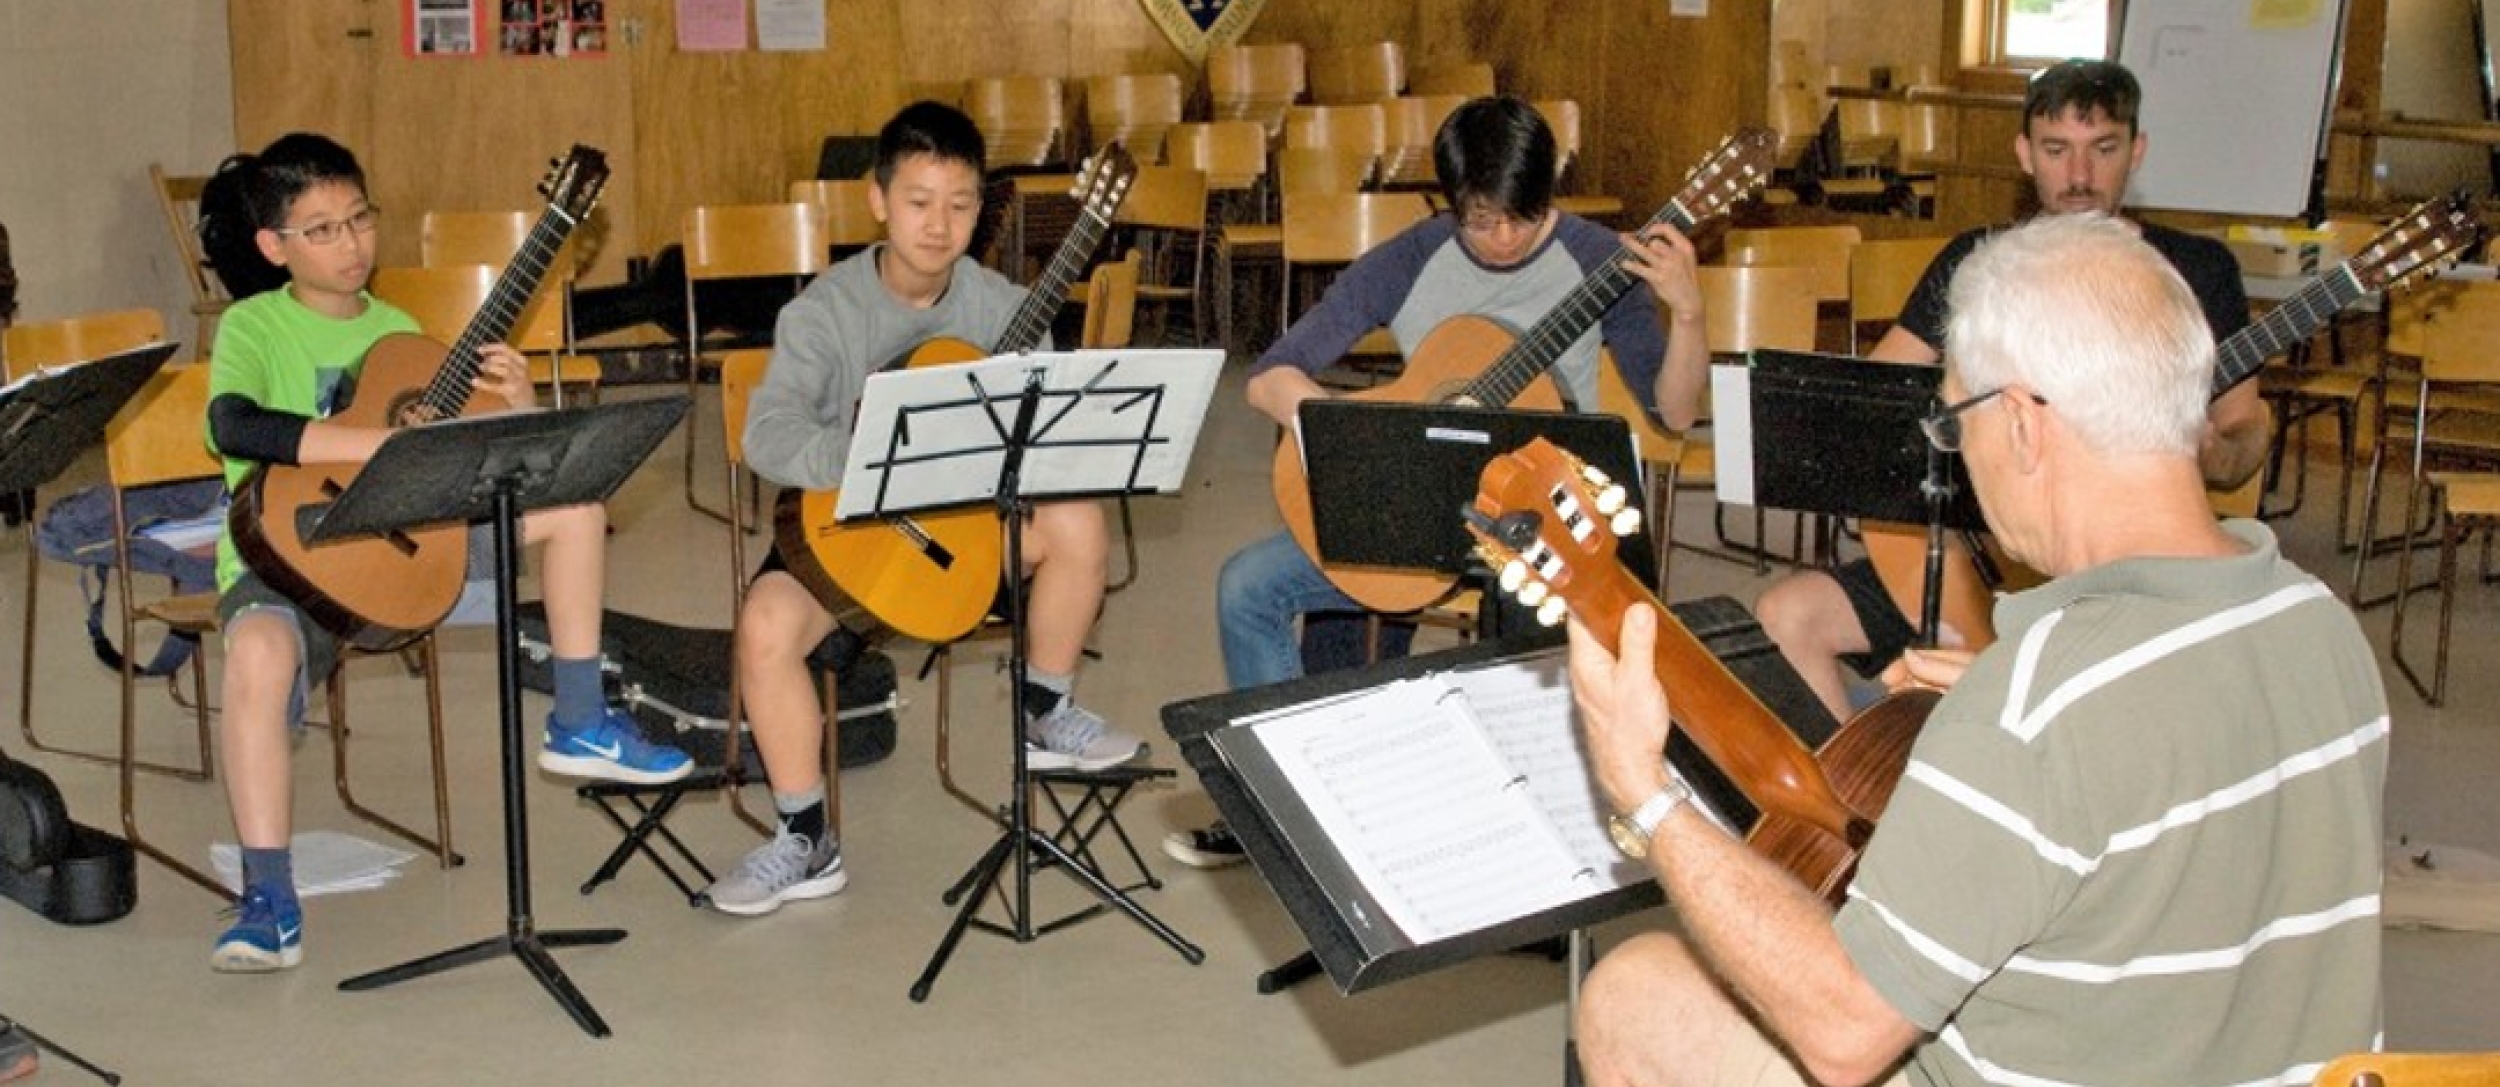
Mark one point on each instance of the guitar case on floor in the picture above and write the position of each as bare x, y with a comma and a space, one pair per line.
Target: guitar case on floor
675, 679
60, 868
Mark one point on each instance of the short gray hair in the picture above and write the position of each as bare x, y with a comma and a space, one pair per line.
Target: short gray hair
2080, 310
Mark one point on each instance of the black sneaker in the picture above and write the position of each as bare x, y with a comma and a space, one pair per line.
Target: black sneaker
1210, 846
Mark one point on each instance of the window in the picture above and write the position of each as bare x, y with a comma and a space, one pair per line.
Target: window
2029, 33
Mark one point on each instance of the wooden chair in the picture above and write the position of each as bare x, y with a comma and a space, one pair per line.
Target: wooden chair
2446, 418
740, 241
1881, 276
1470, 79
850, 223
1136, 110
1331, 230
1358, 73
1233, 154
1256, 83
1024, 119
544, 331
2411, 1070
2300, 389
41, 345
178, 196
1324, 169
2454, 435
1165, 219
1412, 122
1822, 248
1562, 115
1360, 128
741, 372
1750, 306
1870, 134
1110, 322
164, 440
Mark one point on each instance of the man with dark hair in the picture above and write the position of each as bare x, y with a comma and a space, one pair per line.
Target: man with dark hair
1500, 251
2080, 144
861, 315
2138, 841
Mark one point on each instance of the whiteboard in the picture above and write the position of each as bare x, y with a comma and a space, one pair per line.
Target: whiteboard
2236, 99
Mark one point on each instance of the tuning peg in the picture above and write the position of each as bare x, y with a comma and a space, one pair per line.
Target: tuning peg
1514, 575
1625, 521
1552, 611
1534, 593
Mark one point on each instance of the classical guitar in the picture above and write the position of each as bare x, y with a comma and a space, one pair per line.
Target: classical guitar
1476, 360
382, 592
2426, 238
932, 576
1551, 525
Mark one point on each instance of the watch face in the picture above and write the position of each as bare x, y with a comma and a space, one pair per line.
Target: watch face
1628, 838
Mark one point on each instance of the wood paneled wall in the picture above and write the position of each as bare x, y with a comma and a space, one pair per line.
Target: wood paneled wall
683, 129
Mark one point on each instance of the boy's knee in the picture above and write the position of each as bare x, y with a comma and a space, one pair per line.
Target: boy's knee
1796, 607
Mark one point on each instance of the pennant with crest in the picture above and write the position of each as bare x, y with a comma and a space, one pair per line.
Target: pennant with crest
1197, 26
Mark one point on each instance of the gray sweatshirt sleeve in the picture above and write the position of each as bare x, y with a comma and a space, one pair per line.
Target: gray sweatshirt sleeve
799, 419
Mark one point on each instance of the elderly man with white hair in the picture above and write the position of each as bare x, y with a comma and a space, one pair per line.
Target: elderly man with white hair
2137, 841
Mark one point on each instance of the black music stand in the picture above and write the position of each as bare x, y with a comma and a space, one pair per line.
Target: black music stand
1008, 431
1839, 435
46, 421
497, 467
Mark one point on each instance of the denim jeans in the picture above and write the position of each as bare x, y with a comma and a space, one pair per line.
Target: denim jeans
1264, 589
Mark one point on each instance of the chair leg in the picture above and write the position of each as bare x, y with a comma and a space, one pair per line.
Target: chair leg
1664, 502
829, 696
943, 657
2432, 692
129, 789
340, 733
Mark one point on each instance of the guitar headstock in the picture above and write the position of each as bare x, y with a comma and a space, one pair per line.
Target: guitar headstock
1740, 166
2430, 236
1104, 180
573, 182
1551, 524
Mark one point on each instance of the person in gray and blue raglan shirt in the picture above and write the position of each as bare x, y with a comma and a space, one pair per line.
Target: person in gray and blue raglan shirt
1502, 251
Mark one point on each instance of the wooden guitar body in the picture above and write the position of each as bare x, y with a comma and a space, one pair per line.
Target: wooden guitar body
1454, 353
930, 576
1864, 761
373, 593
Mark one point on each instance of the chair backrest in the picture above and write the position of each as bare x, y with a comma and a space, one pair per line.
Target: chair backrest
2460, 335
1926, 133
1869, 118
1111, 304
2411, 1070
1336, 228
1754, 306
1471, 79
178, 195
86, 337
1796, 115
1232, 153
1822, 248
1138, 110
162, 436
1410, 123
1165, 198
452, 239
735, 241
842, 206
1024, 119
1883, 272
1245, 74
740, 372
1320, 169
1362, 127
1563, 116
1358, 73
443, 300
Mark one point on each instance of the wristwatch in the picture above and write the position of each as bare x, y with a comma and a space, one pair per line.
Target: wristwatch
1631, 833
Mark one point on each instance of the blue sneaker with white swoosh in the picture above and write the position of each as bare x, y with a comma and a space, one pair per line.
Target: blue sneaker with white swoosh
611, 749
267, 936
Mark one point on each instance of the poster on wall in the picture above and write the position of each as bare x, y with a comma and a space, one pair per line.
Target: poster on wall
441, 28
509, 28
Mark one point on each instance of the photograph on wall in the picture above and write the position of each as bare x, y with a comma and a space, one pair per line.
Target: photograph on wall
441, 28
551, 28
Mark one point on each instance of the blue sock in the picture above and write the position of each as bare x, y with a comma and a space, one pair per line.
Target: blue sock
581, 695
271, 870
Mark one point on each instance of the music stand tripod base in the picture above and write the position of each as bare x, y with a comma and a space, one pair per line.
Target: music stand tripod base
496, 467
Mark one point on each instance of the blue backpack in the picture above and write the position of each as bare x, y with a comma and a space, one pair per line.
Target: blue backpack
167, 522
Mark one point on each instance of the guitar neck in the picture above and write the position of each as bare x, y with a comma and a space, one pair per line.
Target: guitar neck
1041, 304
1579, 311
448, 393
2296, 319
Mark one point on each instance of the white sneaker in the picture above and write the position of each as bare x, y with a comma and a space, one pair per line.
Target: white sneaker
1075, 738
787, 869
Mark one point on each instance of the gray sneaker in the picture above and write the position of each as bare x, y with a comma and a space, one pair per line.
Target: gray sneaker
787, 869
1075, 738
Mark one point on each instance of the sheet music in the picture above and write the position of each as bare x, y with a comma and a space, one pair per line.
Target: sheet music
1444, 833
1525, 707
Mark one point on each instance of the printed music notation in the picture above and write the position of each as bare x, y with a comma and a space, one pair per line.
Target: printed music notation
1459, 800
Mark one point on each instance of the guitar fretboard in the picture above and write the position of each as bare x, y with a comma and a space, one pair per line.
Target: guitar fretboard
2295, 320
448, 393
1579, 311
1041, 304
